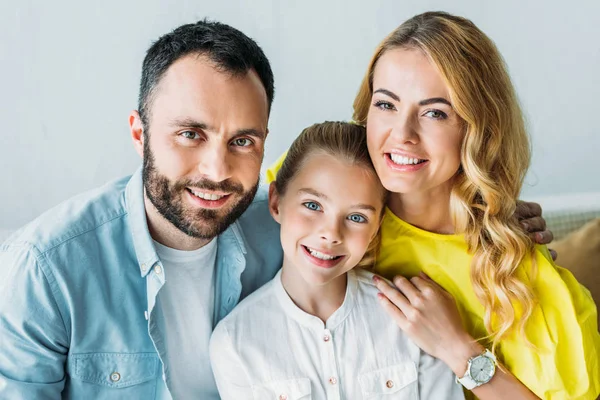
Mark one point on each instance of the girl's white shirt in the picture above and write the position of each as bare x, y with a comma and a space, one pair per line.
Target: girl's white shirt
268, 348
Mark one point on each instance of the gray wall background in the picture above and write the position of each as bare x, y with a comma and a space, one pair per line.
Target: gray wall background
69, 74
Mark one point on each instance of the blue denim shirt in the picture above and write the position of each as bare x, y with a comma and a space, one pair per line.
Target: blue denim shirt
78, 286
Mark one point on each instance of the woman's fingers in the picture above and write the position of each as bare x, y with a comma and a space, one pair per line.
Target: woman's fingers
391, 293
408, 289
396, 314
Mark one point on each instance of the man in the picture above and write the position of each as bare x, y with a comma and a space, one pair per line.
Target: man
108, 291
114, 293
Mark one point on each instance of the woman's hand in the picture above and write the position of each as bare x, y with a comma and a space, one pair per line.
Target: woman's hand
429, 316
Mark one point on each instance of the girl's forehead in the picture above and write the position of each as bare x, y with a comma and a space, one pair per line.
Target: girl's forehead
337, 179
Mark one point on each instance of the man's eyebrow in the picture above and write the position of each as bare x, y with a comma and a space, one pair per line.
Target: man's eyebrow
320, 195
189, 123
251, 132
425, 102
194, 124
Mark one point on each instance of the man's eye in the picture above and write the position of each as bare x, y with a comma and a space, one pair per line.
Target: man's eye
242, 142
311, 205
190, 135
357, 218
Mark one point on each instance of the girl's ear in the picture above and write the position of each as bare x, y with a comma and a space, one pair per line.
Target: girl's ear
274, 202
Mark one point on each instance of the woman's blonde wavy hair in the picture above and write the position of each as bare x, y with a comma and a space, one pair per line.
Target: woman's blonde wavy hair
495, 156
344, 141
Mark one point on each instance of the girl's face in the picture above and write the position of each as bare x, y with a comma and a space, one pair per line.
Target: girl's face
413, 133
329, 214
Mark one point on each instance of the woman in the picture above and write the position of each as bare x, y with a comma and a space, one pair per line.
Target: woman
447, 139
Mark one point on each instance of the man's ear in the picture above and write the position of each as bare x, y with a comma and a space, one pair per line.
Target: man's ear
274, 202
136, 128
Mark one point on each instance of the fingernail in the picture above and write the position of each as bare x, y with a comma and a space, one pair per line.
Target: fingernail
375, 278
525, 225
539, 236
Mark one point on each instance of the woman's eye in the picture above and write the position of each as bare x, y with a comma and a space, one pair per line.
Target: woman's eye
190, 135
436, 114
384, 105
357, 218
311, 205
242, 142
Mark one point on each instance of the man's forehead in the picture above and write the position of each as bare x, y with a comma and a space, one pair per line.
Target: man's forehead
194, 87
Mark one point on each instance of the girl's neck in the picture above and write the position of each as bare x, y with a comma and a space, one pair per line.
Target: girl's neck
428, 210
318, 300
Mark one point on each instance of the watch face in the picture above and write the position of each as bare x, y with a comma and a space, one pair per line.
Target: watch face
482, 369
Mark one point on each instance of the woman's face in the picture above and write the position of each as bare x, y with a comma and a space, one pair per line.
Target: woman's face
413, 133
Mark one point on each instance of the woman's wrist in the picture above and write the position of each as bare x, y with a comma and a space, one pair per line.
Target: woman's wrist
457, 355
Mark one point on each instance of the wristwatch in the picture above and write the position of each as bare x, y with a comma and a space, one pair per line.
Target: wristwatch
480, 370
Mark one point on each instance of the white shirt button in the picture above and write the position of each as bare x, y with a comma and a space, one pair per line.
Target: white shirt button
115, 377
158, 270
389, 384
333, 380
326, 338
282, 397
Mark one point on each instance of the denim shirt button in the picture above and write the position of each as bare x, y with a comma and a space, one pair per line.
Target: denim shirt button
115, 377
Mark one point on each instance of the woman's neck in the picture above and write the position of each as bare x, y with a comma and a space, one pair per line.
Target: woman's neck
428, 210
318, 300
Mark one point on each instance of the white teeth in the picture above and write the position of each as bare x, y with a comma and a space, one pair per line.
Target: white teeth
207, 196
319, 255
397, 159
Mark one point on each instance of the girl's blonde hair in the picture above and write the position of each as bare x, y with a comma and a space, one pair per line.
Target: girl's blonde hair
495, 156
342, 140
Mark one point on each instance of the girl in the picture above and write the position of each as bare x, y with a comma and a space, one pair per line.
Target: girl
316, 330
447, 139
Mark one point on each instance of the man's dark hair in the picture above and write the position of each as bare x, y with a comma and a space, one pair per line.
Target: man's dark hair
229, 49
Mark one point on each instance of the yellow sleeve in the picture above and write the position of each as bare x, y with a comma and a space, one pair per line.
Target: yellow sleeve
564, 329
271, 173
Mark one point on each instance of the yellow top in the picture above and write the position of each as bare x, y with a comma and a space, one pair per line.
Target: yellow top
563, 327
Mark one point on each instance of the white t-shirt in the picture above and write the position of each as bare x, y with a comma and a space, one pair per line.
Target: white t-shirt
186, 303
268, 348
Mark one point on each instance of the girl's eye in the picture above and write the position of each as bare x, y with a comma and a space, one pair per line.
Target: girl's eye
436, 114
311, 205
242, 142
190, 135
357, 218
384, 105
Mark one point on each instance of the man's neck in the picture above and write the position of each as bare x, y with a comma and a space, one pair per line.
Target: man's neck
318, 300
428, 210
165, 233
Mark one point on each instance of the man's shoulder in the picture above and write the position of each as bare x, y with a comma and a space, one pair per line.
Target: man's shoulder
72, 218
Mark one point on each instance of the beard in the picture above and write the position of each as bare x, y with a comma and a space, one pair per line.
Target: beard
167, 198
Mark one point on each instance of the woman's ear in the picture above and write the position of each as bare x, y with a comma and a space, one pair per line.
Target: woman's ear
274, 202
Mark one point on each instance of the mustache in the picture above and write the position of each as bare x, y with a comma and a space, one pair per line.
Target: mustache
223, 186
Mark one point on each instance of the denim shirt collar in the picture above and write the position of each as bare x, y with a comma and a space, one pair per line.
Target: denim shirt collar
136, 209
231, 250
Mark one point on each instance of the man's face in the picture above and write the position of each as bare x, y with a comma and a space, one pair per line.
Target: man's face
204, 146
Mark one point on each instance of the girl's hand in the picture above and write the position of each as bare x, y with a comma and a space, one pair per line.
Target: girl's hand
429, 316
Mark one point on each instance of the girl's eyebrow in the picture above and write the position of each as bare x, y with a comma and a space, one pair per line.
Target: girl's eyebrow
320, 195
